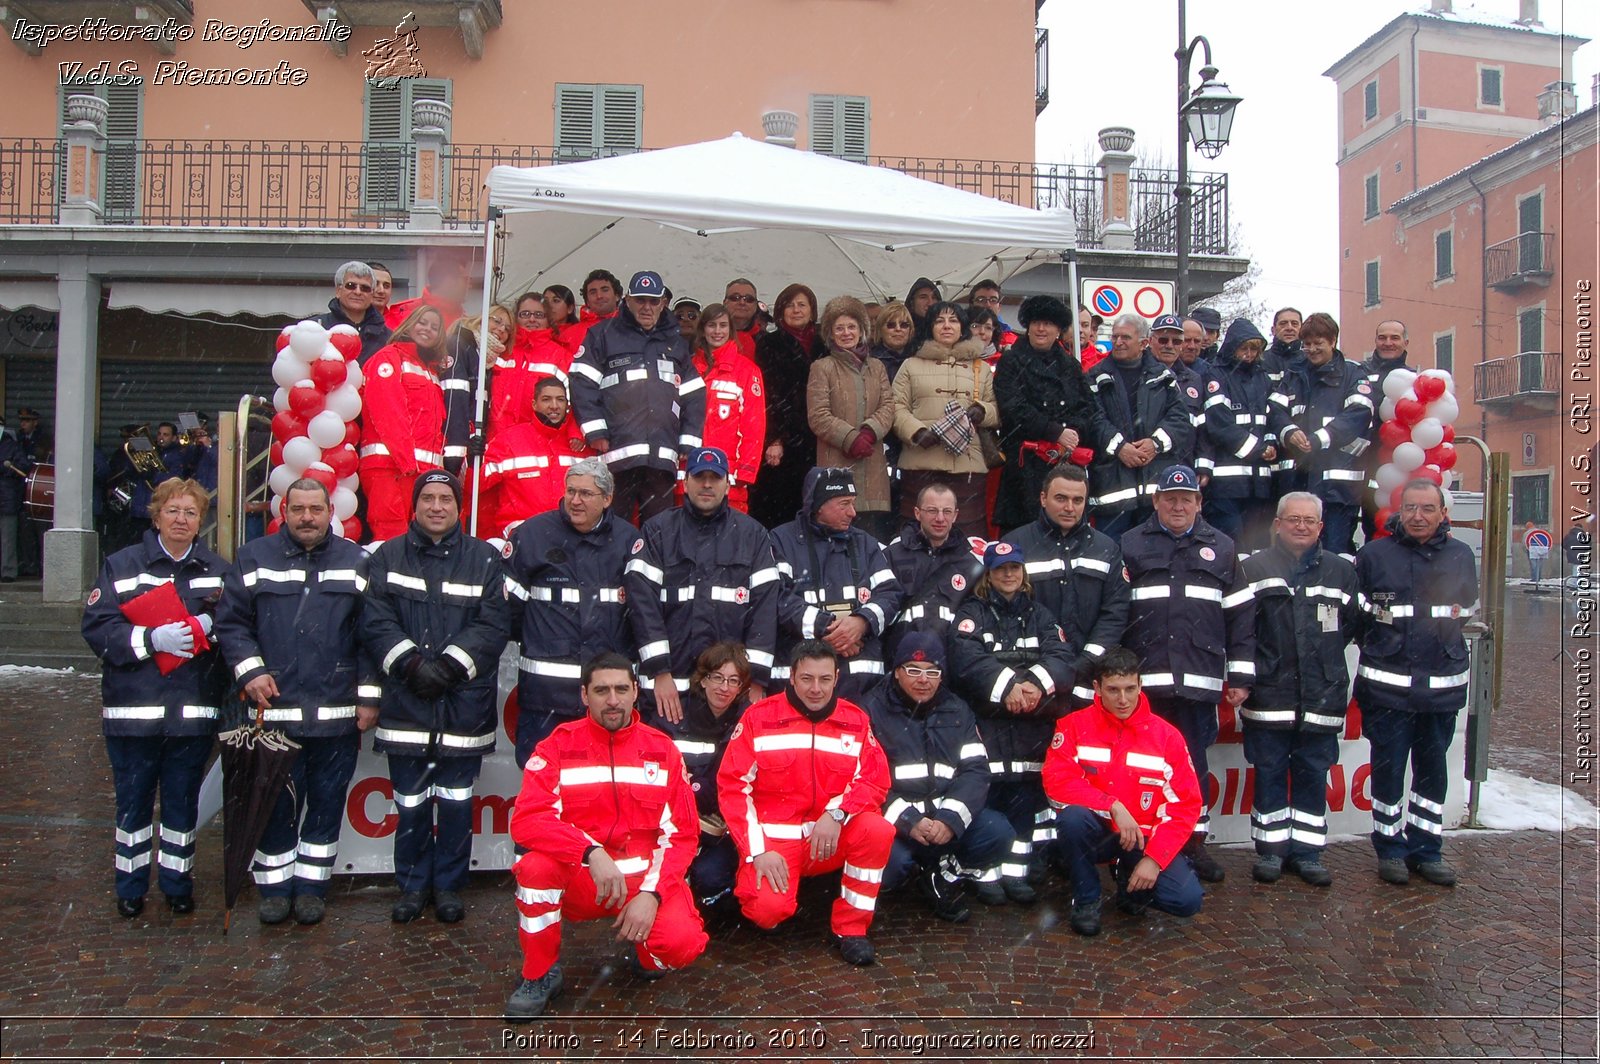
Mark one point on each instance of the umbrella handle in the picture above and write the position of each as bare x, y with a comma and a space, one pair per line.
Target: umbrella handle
261, 715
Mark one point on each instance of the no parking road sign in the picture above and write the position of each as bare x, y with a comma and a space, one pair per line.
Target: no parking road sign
1109, 297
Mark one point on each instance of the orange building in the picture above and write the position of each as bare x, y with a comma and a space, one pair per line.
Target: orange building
1467, 207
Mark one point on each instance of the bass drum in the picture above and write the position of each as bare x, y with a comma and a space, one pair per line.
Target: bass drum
39, 495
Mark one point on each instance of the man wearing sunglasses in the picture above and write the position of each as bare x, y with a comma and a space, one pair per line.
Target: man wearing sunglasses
352, 304
940, 779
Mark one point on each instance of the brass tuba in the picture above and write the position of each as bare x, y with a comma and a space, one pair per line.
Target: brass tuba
145, 461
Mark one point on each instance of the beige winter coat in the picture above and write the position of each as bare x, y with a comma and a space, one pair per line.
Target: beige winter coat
841, 397
926, 382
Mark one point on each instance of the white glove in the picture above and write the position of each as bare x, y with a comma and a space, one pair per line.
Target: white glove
174, 638
205, 623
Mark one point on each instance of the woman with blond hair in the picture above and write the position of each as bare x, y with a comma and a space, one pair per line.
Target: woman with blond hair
850, 407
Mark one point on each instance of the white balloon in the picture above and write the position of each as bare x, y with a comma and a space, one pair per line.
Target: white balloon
1449, 498
1449, 379
1389, 477
1408, 456
354, 378
344, 403
307, 339
331, 354
337, 528
1386, 409
344, 504
1445, 408
276, 505
351, 483
299, 453
326, 429
280, 400
1398, 383
286, 368
1428, 433
280, 478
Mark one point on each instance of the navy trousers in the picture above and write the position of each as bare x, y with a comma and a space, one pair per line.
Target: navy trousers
1400, 737
1023, 804
1289, 809
712, 871
1197, 723
433, 799
983, 845
302, 839
1339, 521
1086, 843
140, 764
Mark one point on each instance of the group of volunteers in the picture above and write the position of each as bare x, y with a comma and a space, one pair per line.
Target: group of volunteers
814, 599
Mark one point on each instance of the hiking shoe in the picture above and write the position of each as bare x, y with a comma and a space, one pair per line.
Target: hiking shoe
1206, 868
1393, 870
639, 971
409, 907
448, 907
989, 891
1085, 918
1436, 872
1018, 890
309, 908
855, 949
945, 897
528, 1000
1267, 869
1313, 871
273, 910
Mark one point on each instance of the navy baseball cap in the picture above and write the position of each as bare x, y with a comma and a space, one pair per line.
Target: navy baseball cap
920, 648
1179, 478
1167, 321
707, 460
647, 283
1000, 553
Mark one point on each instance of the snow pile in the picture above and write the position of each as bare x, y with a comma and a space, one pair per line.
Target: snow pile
34, 670
1510, 802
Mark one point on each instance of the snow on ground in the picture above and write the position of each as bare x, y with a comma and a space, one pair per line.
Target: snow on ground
1510, 802
35, 670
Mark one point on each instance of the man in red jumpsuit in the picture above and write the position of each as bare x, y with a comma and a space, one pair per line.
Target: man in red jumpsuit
402, 430
801, 785
1130, 796
610, 826
525, 466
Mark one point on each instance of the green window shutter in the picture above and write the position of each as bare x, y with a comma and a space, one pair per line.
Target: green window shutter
124, 131
575, 121
385, 125
824, 123
840, 126
1443, 255
621, 116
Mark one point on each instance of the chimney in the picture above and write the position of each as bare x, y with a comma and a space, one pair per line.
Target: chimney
1556, 102
1440, 7
1528, 13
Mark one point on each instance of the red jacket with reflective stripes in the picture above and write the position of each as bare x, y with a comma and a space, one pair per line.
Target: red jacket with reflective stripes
781, 771
398, 312
1142, 762
736, 410
402, 411
525, 466
625, 791
533, 356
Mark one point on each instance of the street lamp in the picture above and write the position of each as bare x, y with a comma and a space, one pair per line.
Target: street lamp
1205, 116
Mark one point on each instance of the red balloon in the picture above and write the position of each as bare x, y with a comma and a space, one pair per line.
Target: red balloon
1382, 521
342, 460
275, 456
347, 344
282, 341
352, 528
352, 433
320, 473
305, 400
1449, 434
1443, 456
1428, 388
327, 374
1393, 434
274, 525
1385, 455
286, 425
1407, 411
1428, 472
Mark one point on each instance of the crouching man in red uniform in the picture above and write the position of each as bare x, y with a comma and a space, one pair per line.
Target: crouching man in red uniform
609, 823
1130, 796
801, 785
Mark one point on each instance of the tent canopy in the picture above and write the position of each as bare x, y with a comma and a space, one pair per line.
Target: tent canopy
703, 214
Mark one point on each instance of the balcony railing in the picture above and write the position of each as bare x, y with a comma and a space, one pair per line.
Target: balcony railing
1531, 379
351, 185
1525, 259
1041, 70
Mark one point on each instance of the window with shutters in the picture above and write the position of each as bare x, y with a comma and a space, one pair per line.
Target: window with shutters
1530, 328
1372, 283
1444, 254
1490, 79
1369, 100
1371, 186
1444, 351
841, 127
595, 121
386, 177
124, 128
1530, 498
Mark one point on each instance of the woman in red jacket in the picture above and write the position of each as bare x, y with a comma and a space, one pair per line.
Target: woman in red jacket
402, 419
736, 404
561, 312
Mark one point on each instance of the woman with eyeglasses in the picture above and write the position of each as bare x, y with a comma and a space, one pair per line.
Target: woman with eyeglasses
851, 408
784, 355
718, 695
943, 395
402, 419
162, 686
1010, 659
891, 336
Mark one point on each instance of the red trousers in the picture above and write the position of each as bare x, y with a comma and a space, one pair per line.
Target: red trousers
863, 851
388, 493
549, 891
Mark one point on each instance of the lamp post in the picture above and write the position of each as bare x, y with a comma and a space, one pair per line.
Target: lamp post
1206, 117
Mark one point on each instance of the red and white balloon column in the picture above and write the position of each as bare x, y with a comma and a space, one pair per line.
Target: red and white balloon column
1416, 434
315, 431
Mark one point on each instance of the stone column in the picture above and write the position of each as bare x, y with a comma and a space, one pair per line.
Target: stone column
1116, 160
85, 136
71, 546
430, 131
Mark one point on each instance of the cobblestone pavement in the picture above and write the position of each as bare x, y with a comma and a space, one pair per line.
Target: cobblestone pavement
1502, 967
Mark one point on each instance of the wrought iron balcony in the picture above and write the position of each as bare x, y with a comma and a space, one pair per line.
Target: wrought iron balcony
1526, 383
473, 17
354, 185
1525, 259
1041, 70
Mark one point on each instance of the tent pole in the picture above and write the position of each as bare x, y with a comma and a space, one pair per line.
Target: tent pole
1072, 296
481, 398
872, 288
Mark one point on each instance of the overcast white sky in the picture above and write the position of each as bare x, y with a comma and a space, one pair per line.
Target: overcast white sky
1112, 64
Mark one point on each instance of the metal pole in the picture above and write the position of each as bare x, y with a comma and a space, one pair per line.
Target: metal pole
230, 481
1181, 285
1076, 346
481, 397
1489, 648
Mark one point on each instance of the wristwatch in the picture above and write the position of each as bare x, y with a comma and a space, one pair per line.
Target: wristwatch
837, 814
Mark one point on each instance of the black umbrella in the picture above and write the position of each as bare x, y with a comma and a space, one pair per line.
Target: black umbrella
255, 769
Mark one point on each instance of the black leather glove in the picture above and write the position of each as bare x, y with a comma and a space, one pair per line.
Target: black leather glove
975, 413
475, 445
924, 438
428, 679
